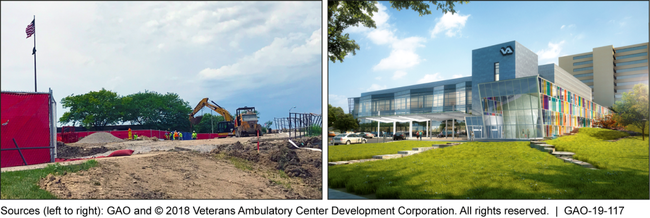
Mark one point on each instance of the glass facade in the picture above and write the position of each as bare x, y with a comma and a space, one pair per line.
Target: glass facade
632, 49
583, 56
632, 55
437, 99
532, 107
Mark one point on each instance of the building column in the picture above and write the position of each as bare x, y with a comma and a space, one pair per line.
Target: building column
410, 129
428, 128
452, 129
394, 125
378, 133
446, 128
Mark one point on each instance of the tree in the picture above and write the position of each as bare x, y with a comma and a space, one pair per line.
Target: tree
94, 110
345, 122
607, 122
208, 122
343, 14
633, 108
333, 113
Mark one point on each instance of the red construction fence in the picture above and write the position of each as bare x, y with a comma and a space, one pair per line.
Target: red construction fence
26, 128
123, 134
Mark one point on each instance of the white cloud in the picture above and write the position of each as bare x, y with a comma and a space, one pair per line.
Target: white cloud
450, 24
375, 87
339, 101
430, 78
459, 76
551, 52
399, 74
380, 18
562, 27
381, 36
402, 56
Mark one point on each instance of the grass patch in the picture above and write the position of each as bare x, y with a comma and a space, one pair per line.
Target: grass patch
366, 151
488, 170
589, 145
24, 184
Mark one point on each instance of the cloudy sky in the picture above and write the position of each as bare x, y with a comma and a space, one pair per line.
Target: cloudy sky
407, 49
261, 54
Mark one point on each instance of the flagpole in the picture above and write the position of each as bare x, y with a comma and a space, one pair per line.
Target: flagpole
35, 53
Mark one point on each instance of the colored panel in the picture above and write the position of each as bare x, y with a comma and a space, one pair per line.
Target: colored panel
25, 118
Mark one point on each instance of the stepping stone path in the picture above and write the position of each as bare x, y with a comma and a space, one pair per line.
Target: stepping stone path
564, 155
398, 155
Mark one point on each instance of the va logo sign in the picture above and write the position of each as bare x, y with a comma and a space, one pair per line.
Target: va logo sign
507, 50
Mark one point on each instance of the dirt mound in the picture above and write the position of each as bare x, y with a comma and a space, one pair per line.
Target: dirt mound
98, 138
65, 151
281, 155
166, 175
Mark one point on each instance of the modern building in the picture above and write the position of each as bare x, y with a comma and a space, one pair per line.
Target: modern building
508, 96
609, 71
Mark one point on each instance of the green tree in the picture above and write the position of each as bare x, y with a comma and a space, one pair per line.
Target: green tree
94, 110
346, 122
208, 122
333, 113
633, 108
343, 14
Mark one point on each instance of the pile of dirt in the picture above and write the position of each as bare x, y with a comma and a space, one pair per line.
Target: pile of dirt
281, 155
66, 151
143, 138
309, 142
99, 138
166, 175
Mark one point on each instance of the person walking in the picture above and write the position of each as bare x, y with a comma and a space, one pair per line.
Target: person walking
180, 135
175, 135
420, 134
194, 135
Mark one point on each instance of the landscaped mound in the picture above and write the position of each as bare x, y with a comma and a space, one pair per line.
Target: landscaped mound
366, 151
488, 170
590, 145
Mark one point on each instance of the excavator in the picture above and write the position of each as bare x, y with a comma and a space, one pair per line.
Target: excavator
245, 123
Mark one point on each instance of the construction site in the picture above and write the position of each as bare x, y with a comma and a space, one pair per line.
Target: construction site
238, 161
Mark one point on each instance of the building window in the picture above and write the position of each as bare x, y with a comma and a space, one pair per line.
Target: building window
583, 69
632, 62
582, 63
584, 75
587, 81
632, 55
496, 71
632, 49
631, 83
632, 69
583, 56
631, 76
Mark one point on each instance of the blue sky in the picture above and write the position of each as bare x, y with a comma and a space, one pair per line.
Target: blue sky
261, 54
406, 49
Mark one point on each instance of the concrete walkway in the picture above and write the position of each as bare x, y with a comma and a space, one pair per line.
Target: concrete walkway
336, 194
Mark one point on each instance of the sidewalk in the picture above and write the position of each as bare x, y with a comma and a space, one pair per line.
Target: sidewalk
335, 194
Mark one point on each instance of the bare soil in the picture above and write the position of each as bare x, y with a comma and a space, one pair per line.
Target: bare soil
66, 151
228, 168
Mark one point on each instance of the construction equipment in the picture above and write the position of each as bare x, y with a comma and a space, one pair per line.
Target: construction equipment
246, 122
224, 128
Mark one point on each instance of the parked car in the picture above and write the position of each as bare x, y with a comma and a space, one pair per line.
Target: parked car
447, 133
348, 138
399, 135
367, 135
331, 134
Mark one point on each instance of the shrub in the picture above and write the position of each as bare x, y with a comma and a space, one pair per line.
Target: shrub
603, 134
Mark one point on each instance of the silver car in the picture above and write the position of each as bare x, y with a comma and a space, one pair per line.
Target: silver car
348, 138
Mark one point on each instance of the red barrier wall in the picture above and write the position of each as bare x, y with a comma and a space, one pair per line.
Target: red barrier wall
123, 134
25, 118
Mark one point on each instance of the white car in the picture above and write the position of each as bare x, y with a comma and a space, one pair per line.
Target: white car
348, 138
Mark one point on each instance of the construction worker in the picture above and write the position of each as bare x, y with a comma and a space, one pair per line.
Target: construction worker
194, 135
136, 136
175, 135
180, 135
130, 134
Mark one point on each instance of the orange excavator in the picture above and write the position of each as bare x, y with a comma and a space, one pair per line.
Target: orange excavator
244, 124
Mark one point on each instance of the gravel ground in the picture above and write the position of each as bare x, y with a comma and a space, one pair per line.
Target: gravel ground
99, 137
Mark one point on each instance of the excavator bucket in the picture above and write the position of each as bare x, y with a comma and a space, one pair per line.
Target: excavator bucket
196, 120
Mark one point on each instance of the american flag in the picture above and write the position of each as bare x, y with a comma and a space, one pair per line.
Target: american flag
30, 29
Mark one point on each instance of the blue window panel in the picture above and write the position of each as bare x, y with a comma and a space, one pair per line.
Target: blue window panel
632, 55
583, 63
632, 69
583, 56
583, 75
587, 81
631, 76
583, 69
632, 62
631, 83
632, 49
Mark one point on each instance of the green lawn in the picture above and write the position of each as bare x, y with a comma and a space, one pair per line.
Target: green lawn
497, 170
366, 151
590, 145
24, 184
